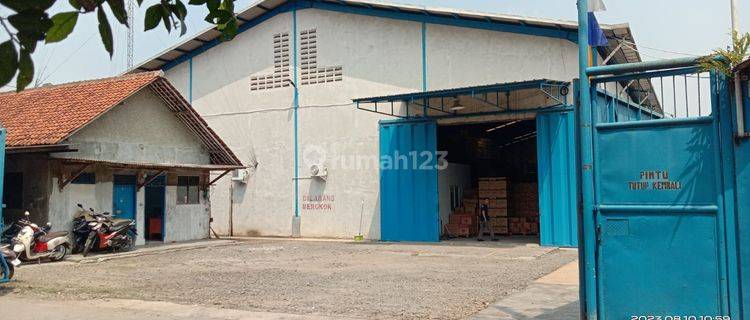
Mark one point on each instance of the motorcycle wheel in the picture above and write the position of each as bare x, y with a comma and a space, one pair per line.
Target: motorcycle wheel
11, 271
60, 252
88, 245
130, 238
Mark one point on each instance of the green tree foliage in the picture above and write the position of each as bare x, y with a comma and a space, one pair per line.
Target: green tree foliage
29, 23
724, 60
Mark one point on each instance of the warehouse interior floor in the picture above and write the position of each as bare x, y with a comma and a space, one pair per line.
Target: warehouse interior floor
502, 241
495, 161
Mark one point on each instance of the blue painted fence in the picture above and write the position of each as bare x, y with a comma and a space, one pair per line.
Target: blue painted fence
742, 180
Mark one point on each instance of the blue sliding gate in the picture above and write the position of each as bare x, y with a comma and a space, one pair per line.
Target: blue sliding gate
409, 181
556, 149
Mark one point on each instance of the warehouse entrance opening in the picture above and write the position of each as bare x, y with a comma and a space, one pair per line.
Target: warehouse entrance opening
492, 165
509, 144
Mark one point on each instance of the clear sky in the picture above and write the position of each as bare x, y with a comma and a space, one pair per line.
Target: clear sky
686, 26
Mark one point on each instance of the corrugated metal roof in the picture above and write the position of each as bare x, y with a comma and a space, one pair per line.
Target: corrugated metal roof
742, 66
508, 86
614, 32
145, 165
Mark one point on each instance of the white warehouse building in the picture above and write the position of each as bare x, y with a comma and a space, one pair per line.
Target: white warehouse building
312, 94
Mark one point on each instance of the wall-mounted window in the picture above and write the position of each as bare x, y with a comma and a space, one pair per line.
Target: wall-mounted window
85, 178
187, 190
456, 196
13, 190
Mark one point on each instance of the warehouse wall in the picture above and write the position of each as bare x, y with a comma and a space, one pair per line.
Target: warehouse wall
378, 56
455, 175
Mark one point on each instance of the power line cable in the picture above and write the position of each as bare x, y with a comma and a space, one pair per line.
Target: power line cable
70, 56
656, 49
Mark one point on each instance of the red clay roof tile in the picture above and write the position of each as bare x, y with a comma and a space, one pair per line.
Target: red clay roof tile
49, 114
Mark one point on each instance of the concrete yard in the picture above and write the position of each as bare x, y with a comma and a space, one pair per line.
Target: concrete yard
325, 279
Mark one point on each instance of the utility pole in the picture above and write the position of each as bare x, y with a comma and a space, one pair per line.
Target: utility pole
735, 19
131, 34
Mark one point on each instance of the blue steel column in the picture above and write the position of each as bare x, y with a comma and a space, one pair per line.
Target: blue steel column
2, 173
424, 57
723, 120
587, 244
296, 110
190, 80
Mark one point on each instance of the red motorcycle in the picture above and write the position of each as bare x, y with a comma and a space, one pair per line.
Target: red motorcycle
112, 234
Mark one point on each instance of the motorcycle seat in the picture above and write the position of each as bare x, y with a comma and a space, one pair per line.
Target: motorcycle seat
120, 223
52, 235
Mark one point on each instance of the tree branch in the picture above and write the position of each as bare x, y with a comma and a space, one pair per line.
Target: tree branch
10, 33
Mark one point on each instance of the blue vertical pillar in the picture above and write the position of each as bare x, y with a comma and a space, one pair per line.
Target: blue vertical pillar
2, 173
190, 80
587, 245
296, 219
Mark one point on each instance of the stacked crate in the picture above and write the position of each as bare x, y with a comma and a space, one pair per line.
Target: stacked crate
463, 222
524, 200
496, 190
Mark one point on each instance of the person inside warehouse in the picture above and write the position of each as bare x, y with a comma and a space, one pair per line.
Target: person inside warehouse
484, 221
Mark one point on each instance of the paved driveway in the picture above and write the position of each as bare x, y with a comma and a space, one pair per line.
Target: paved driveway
452, 280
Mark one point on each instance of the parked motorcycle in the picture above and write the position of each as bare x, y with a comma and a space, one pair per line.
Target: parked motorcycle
83, 220
108, 233
10, 259
34, 243
9, 231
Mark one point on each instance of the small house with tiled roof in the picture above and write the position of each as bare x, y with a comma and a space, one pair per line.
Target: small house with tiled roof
130, 145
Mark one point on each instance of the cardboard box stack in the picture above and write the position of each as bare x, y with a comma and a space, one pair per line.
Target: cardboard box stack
496, 190
524, 205
463, 220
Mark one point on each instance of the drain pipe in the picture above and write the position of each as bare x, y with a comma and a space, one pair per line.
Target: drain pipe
231, 208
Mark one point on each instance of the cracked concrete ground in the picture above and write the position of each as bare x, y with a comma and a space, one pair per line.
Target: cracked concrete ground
450, 280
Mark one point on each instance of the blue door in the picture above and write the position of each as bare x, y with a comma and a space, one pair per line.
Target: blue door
558, 222
123, 198
408, 181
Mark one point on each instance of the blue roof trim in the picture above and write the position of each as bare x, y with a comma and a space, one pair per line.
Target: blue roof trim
343, 7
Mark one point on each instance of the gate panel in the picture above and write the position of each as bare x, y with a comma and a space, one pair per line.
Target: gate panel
408, 182
658, 195
657, 162
558, 222
657, 218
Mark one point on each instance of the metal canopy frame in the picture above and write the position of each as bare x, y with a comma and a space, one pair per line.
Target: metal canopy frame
486, 95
